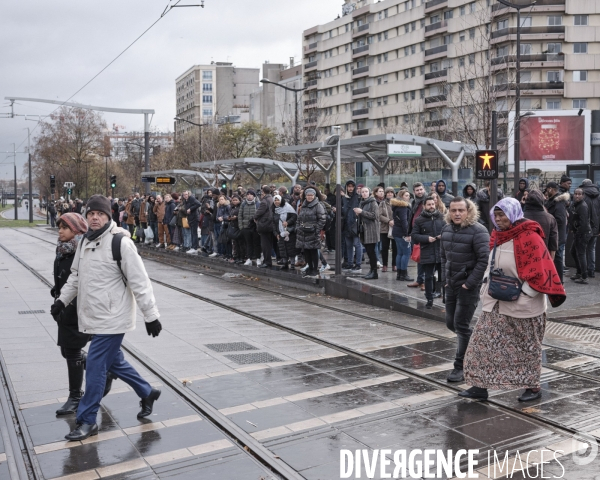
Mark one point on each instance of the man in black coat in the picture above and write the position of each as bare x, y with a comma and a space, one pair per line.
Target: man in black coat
465, 250
264, 226
535, 211
191, 207
427, 231
591, 195
556, 205
417, 207
350, 227
579, 216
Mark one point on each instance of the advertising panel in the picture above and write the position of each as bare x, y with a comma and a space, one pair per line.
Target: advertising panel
553, 138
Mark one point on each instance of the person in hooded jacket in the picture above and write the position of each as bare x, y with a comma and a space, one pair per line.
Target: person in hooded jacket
470, 192
369, 230
579, 217
190, 206
311, 220
427, 231
442, 191
402, 218
284, 229
535, 211
523, 187
483, 203
350, 228
556, 205
170, 205
248, 227
264, 226
591, 195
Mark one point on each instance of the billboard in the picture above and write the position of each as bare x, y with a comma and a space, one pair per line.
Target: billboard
551, 139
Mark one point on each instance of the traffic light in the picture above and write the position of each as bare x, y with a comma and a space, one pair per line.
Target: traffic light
69, 191
224, 184
486, 164
113, 181
52, 182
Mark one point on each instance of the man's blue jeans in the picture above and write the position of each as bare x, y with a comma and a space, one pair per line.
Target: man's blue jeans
105, 356
591, 255
353, 250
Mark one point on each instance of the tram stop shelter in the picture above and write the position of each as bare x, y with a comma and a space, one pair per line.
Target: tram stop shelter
255, 167
374, 149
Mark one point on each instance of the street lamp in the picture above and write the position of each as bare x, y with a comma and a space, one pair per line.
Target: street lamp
295, 90
199, 125
338, 198
518, 8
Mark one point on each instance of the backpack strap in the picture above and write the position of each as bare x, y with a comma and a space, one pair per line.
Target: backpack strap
116, 252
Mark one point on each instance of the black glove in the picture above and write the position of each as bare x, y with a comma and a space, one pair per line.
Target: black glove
153, 328
53, 292
56, 309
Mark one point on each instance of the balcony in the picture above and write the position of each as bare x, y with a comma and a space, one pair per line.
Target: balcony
361, 112
435, 101
310, 121
539, 3
547, 32
358, 133
310, 84
439, 27
362, 30
360, 92
434, 77
310, 47
360, 51
540, 57
532, 88
360, 71
436, 123
309, 103
433, 5
310, 66
436, 52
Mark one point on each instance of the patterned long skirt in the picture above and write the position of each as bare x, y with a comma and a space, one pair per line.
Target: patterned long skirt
505, 353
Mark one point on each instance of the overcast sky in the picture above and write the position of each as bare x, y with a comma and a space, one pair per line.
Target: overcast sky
50, 49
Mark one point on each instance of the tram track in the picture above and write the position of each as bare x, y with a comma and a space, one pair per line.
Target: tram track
551, 425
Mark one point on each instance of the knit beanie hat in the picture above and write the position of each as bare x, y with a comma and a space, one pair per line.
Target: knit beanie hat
390, 189
565, 178
75, 222
586, 183
251, 192
535, 197
310, 191
98, 203
175, 196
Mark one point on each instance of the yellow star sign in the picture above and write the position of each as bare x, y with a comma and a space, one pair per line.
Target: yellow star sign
486, 161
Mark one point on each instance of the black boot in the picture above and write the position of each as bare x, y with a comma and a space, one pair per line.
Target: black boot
82, 431
438, 290
148, 402
372, 275
400, 275
407, 278
285, 264
75, 369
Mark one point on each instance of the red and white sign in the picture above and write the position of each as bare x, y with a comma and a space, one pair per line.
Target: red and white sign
553, 138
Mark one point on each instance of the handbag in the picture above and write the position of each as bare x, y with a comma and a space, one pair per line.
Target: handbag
502, 287
173, 222
390, 233
233, 232
416, 252
185, 223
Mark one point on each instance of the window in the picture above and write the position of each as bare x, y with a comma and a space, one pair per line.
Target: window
370, 39
422, 69
448, 14
406, 51
422, 23
579, 103
554, 77
580, 20
207, 75
413, 72
554, 47
448, 39
413, 26
580, 48
580, 76
502, 24
526, 22
461, 62
206, 98
472, 7
406, 28
462, 10
434, 19
526, 49
413, 49
406, 96
502, 51
434, 67
422, 93
553, 104
422, 45
462, 36
472, 84
406, 74
554, 20
471, 33
207, 112
471, 58
207, 87
413, 95
525, 77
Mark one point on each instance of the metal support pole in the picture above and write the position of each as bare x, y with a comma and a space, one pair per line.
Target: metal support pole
146, 150
106, 176
30, 179
517, 145
494, 182
15, 196
199, 142
338, 207
296, 126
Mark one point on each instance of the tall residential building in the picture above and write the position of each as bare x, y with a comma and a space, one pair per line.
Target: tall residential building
274, 106
207, 93
439, 67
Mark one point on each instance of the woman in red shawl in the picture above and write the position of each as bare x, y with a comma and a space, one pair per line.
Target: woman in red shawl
505, 351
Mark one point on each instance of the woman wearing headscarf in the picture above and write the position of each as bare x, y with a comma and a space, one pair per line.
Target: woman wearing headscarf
505, 350
71, 226
284, 228
368, 218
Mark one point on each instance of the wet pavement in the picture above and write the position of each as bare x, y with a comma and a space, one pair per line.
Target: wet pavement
302, 400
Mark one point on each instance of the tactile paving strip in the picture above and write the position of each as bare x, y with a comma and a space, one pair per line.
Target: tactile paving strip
246, 358
237, 295
230, 347
30, 312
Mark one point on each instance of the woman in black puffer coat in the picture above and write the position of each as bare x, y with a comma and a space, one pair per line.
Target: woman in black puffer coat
70, 339
368, 218
311, 220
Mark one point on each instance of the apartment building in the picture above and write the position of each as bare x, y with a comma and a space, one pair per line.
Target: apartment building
438, 68
119, 144
207, 93
274, 106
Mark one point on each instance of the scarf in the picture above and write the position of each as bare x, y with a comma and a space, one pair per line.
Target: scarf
282, 211
64, 249
94, 234
534, 264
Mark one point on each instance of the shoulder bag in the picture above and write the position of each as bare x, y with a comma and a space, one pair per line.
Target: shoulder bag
502, 287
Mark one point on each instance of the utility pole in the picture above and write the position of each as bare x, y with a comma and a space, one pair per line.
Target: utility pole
30, 179
15, 165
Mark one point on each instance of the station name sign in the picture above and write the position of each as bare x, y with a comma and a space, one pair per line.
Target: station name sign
165, 180
401, 150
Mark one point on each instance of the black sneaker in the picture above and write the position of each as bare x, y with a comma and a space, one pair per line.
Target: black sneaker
456, 376
577, 276
429, 304
528, 395
357, 268
475, 393
582, 281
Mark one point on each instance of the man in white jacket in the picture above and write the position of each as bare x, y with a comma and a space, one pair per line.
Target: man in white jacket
107, 294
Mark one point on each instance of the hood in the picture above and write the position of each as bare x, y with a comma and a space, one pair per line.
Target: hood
354, 194
364, 201
225, 204
526, 183
473, 186
591, 191
472, 215
284, 208
311, 204
438, 184
114, 229
396, 202
561, 197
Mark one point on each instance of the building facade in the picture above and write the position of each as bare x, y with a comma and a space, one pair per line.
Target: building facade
208, 93
438, 68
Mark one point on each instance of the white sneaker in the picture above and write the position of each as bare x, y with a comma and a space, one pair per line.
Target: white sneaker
379, 265
324, 268
304, 268
248, 263
258, 262
192, 251
214, 254
157, 245
175, 249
